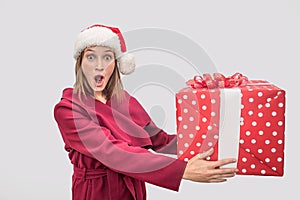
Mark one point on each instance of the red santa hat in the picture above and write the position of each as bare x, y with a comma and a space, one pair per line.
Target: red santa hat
101, 35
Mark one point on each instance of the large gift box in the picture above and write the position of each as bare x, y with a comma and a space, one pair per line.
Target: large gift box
239, 118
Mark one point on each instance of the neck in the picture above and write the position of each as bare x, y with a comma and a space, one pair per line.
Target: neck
100, 97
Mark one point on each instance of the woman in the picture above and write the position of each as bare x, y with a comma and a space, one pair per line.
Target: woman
108, 134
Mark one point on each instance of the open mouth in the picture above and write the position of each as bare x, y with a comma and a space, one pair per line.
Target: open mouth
98, 79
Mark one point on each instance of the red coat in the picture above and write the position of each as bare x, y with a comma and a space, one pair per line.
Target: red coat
109, 144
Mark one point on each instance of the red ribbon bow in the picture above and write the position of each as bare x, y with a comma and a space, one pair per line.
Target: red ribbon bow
218, 80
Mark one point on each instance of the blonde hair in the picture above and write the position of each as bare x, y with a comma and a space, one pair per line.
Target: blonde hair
113, 89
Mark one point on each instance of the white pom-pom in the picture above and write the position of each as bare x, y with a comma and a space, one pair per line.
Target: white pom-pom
126, 63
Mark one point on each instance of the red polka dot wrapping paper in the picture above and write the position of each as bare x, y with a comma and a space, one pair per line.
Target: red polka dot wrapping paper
261, 125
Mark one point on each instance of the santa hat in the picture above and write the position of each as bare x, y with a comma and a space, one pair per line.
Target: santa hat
100, 35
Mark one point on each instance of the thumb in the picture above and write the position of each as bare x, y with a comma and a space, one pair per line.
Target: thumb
206, 154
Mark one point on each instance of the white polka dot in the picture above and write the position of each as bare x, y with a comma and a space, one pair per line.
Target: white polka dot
213, 114
197, 128
179, 118
280, 105
267, 105
185, 96
186, 159
252, 166
251, 100
209, 127
216, 137
213, 101
210, 144
179, 101
247, 150
185, 110
242, 106
186, 145
260, 94
244, 170
192, 152
253, 141
267, 160
260, 132
242, 123
279, 159
203, 136
269, 99
273, 150
185, 126
250, 89
260, 114
180, 135
202, 96
204, 107
274, 113
204, 119
280, 123
244, 159
194, 102
254, 123
180, 152
198, 144
274, 133
208, 158
279, 141
263, 171
268, 124
191, 119
212, 90
259, 106
248, 133
242, 141
194, 91
250, 112
274, 168
191, 135
259, 150
267, 141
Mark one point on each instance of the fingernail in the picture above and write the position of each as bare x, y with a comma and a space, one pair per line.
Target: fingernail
236, 170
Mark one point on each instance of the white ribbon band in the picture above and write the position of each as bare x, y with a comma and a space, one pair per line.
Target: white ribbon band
230, 115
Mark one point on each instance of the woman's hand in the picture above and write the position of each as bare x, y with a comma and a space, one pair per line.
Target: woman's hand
200, 170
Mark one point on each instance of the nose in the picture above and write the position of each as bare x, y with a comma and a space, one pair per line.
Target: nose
99, 66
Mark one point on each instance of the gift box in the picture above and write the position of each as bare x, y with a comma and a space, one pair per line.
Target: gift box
239, 118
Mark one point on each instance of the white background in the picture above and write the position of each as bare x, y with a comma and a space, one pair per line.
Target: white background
259, 38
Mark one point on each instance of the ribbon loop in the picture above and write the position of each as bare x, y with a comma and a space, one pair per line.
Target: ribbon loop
218, 80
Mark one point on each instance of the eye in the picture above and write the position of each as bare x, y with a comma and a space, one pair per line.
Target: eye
90, 57
107, 57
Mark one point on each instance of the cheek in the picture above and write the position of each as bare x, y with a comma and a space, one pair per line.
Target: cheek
87, 69
110, 69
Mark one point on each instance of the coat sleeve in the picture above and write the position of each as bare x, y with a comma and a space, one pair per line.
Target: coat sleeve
162, 142
87, 137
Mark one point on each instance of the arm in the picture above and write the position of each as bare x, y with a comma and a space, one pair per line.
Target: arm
161, 141
87, 137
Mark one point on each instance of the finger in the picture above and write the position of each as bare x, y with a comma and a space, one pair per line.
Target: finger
217, 180
224, 171
223, 176
223, 162
206, 154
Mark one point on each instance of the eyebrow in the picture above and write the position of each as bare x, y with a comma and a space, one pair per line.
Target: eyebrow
108, 50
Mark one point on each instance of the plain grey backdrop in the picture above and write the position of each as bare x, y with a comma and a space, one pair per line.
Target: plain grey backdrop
259, 38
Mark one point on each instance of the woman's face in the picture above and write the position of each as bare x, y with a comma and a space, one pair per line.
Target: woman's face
98, 64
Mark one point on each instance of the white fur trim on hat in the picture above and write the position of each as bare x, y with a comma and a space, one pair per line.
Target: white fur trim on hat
104, 36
